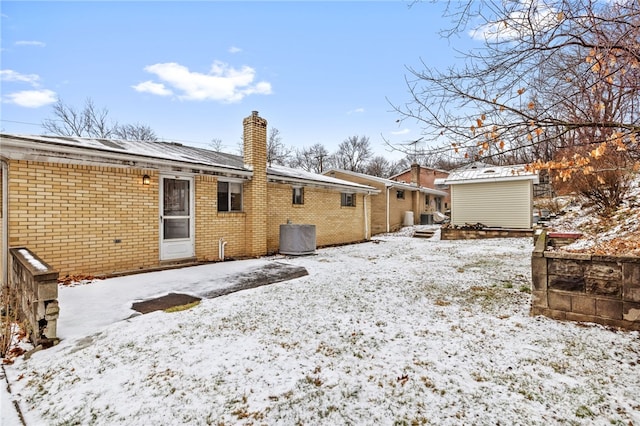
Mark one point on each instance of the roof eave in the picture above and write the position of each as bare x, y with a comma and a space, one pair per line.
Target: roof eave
533, 178
18, 149
321, 184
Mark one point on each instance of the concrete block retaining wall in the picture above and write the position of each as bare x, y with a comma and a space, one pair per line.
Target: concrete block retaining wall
585, 287
471, 234
35, 285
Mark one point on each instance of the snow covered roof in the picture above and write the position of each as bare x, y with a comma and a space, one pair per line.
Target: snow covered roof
481, 172
405, 171
116, 151
275, 173
390, 183
153, 155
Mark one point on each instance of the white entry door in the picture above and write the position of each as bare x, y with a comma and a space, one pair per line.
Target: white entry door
176, 218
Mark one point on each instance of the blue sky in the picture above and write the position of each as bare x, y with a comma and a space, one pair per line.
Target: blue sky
317, 71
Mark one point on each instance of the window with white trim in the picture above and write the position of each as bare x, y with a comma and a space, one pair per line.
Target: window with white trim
348, 199
298, 195
229, 196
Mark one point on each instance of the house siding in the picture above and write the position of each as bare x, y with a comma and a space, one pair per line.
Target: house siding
427, 179
212, 225
334, 224
494, 204
413, 201
71, 215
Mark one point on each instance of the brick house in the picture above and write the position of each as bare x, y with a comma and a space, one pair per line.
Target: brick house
389, 207
101, 207
426, 177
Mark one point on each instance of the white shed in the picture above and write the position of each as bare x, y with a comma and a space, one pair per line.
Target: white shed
495, 196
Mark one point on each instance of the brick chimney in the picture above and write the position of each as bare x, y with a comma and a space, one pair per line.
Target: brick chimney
255, 190
255, 141
415, 174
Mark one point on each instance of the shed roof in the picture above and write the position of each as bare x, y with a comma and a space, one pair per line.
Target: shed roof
481, 172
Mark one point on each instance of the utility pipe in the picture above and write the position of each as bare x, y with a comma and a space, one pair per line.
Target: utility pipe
221, 244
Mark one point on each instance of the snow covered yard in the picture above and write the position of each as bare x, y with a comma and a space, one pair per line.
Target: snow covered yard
400, 330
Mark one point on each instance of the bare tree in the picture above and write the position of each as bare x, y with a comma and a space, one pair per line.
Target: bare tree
313, 159
216, 144
92, 122
68, 121
134, 132
378, 166
509, 99
353, 154
277, 152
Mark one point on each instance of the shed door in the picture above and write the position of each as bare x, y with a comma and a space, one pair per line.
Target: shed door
176, 218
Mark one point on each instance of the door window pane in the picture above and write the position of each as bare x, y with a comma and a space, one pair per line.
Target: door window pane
176, 197
176, 228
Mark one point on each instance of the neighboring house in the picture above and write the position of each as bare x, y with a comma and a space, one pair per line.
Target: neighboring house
389, 207
495, 196
97, 206
426, 177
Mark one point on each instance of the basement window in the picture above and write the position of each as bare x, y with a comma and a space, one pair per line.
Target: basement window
298, 196
348, 199
229, 196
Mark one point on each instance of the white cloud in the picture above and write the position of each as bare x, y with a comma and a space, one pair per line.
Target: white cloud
401, 132
234, 49
223, 82
153, 88
11, 75
30, 43
532, 16
31, 98
356, 111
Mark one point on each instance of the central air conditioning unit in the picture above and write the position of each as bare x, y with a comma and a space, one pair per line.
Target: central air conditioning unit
297, 240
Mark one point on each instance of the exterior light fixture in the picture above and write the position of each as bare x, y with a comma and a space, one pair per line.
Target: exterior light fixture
146, 180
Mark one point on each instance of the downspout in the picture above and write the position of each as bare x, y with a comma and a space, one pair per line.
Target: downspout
5, 222
366, 222
388, 189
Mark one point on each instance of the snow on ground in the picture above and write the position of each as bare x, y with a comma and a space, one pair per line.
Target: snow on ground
399, 330
615, 235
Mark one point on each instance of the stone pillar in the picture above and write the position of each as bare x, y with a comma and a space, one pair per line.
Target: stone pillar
255, 192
